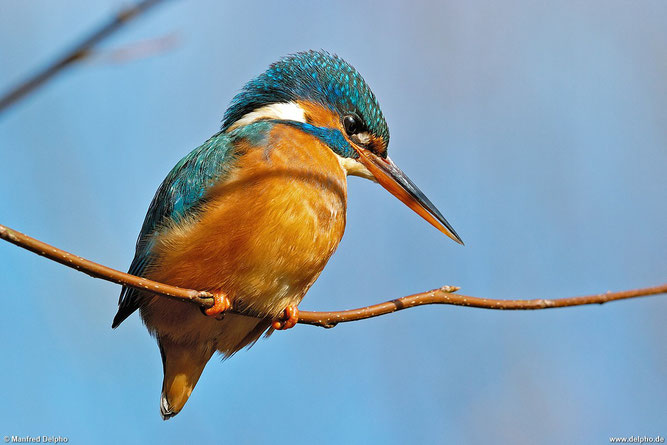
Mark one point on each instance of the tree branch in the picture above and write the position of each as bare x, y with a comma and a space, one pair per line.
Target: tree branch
78, 52
444, 295
137, 50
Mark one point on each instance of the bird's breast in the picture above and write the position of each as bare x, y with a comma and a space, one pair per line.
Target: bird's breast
266, 231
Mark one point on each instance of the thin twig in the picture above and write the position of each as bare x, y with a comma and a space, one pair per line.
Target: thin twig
96, 270
78, 52
136, 50
444, 295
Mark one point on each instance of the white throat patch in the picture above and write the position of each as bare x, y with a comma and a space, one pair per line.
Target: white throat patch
289, 111
352, 167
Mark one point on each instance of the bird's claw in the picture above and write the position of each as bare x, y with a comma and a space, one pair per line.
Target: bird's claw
220, 304
288, 319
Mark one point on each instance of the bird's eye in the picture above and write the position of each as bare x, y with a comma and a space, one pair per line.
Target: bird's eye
352, 124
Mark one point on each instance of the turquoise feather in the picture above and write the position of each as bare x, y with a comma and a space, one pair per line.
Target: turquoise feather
179, 196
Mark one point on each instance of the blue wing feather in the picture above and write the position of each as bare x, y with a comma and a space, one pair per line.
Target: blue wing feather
179, 195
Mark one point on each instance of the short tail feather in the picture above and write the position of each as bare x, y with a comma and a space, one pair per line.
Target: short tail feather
182, 365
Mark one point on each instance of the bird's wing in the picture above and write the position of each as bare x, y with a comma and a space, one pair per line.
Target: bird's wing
179, 195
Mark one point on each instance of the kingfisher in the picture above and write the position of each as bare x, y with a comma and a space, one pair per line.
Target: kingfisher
254, 214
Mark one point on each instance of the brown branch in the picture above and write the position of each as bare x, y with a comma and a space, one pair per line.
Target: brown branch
96, 270
77, 53
443, 295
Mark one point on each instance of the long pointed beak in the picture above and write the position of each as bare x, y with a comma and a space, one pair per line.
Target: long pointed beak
398, 184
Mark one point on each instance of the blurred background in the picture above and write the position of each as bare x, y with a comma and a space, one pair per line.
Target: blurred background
540, 131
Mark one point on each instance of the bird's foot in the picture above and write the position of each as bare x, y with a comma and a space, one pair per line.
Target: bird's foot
288, 318
220, 304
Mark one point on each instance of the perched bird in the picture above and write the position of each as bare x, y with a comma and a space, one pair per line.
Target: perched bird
254, 214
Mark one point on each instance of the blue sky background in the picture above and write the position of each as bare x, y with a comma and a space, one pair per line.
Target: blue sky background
539, 129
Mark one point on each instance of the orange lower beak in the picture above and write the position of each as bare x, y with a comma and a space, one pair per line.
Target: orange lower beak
398, 184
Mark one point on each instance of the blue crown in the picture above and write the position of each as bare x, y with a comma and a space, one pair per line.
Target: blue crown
316, 76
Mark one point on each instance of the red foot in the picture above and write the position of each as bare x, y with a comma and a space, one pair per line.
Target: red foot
221, 304
288, 319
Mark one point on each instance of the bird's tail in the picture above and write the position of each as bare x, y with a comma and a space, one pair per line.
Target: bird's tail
182, 365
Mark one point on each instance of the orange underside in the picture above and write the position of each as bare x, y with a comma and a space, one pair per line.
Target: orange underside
267, 231
263, 237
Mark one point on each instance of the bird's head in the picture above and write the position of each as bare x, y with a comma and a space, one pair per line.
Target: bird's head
325, 96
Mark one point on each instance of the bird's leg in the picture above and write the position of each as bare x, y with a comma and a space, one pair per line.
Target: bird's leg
288, 318
220, 304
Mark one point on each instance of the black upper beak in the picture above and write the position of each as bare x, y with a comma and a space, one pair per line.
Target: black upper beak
389, 176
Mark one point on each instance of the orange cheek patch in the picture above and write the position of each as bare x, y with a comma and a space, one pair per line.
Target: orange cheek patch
320, 116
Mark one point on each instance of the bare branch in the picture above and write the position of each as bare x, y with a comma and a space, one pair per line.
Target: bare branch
444, 295
78, 52
137, 50
96, 270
